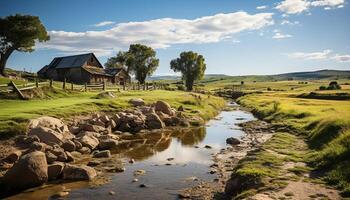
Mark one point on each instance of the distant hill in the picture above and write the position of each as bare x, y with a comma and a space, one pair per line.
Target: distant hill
321, 74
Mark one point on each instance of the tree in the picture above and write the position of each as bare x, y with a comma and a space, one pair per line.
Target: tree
118, 61
141, 61
191, 65
19, 32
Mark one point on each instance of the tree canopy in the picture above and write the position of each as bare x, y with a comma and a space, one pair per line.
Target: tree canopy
140, 60
19, 32
191, 65
118, 61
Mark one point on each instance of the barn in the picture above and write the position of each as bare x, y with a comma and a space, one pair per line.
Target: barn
80, 69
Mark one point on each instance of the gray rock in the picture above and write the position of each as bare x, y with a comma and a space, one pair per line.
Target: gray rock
163, 107
70, 157
68, 145
78, 172
137, 102
89, 141
45, 121
47, 135
84, 150
107, 144
153, 121
102, 154
55, 170
233, 141
29, 171
50, 157
92, 128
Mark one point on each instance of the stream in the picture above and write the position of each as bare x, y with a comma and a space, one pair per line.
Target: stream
172, 160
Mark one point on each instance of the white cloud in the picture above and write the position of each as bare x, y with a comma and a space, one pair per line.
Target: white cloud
299, 6
293, 6
287, 22
261, 7
279, 35
322, 55
342, 58
158, 33
105, 23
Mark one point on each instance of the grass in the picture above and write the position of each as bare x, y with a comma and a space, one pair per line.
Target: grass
15, 113
323, 124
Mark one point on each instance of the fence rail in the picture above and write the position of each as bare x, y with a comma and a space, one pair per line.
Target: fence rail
18, 88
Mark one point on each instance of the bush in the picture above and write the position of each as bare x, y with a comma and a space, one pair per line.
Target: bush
181, 87
269, 89
323, 87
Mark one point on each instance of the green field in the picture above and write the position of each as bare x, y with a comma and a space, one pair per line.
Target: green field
14, 113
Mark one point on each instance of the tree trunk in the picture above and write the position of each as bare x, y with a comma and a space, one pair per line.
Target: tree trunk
3, 60
189, 85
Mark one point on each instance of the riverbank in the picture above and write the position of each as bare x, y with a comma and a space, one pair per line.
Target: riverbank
310, 148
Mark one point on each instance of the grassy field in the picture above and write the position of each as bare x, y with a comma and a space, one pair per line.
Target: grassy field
14, 113
323, 124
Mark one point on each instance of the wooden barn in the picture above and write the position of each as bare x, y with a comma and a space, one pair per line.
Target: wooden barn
80, 69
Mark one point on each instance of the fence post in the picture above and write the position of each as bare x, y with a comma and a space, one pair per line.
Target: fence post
72, 86
85, 87
36, 83
133, 86
146, 85
64, 84
50, 83
124, 85
104, 86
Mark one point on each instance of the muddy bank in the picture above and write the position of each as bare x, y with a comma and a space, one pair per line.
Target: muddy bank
256, 133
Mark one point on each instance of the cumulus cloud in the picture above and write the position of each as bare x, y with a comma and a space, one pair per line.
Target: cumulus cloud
293, 6
104, 23
158, 33
342, 58
321, 55
279, 35
299, 6
287, 22
261, 7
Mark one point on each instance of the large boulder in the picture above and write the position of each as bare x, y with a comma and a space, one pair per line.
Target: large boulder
163, 107
46, 135
45, 121
153, 121
233, 141
89, 141
29, 171
78, 172
137, 102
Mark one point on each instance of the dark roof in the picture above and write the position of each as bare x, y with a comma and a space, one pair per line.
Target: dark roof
113, 71
96, 70
71, 61
43, 70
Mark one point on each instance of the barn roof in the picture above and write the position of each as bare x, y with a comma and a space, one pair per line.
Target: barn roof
96, 70
71, 61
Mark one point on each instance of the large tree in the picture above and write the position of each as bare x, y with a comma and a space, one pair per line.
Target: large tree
191, 65
141, 61
118, 61
19, 32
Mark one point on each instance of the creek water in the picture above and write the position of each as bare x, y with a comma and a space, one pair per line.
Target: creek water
185, 148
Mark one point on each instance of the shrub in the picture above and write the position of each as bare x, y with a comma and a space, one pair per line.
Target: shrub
181, 87
323, 87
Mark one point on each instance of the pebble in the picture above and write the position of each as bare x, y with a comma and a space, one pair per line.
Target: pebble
170, 159
135, 180
111, 192
139, 172
207, 147
131, 161
143, 185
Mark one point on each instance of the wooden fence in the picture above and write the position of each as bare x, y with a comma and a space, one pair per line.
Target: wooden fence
18, 88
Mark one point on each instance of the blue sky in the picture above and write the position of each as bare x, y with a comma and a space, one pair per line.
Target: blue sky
235, 37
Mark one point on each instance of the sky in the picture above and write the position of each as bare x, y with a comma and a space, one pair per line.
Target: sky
235, 37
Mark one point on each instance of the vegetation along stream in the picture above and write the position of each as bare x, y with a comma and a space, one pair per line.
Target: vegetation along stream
165, 163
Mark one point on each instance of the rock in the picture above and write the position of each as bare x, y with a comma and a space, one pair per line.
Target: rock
181, 108
131, 161
89, 141
29, 171
102, 154
45, 121
137, 102
92, 128
153, 121
46, 135
60, 195
135, 180
70, 157
142, 185
112, 123
62, 156
74, 129
78, 172
37, 146
77, 144
68, 145
55, 170
93, 163
233, 141
75, 154
13, 157
84, 150
207, 147
170, 159
163, 107
97, 122
139, 172
107, 144
111, 192
50, 157
104, 118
